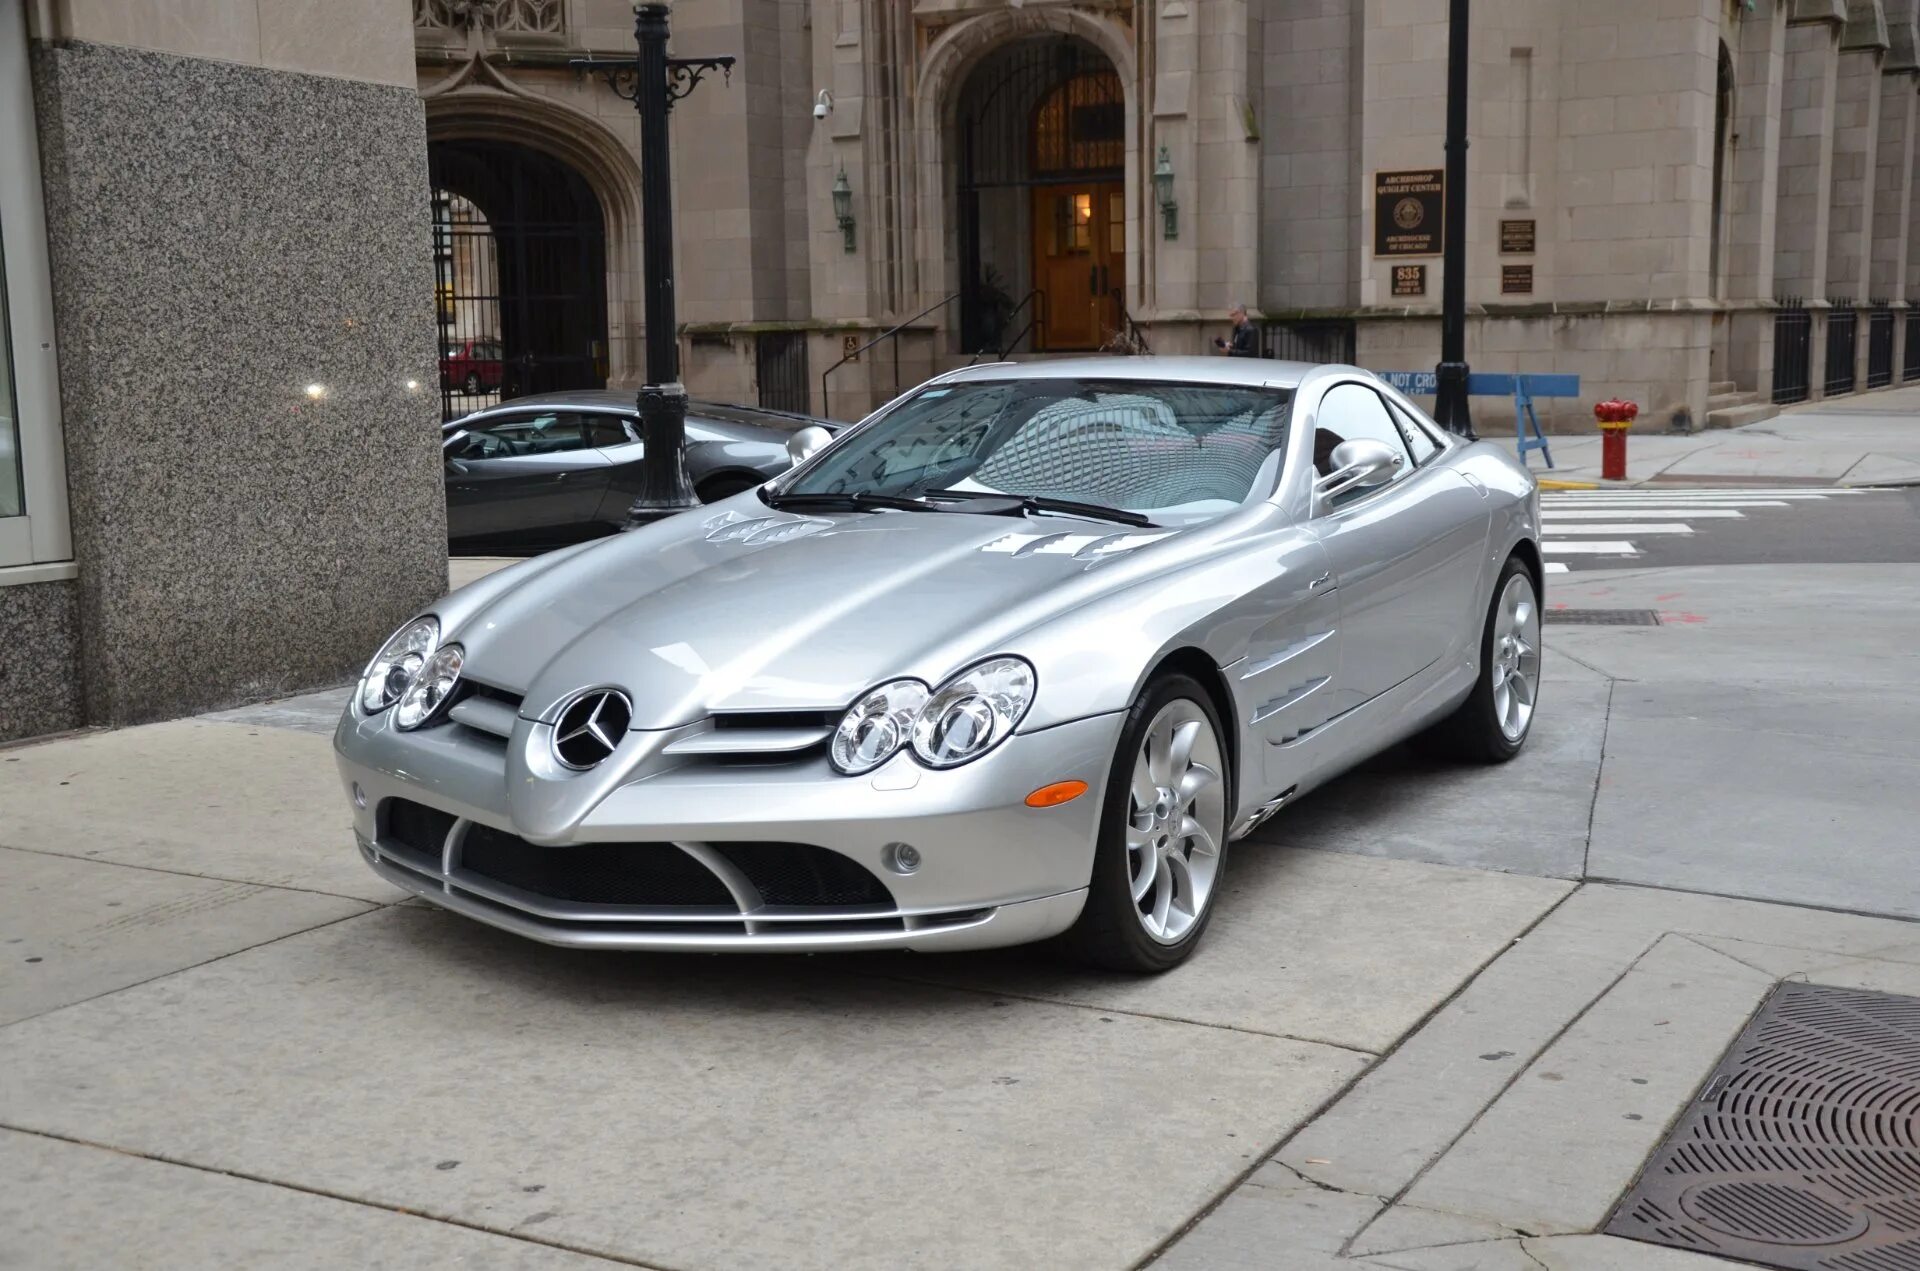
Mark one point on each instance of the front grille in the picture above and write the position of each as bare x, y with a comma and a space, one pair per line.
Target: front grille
649, 875
416, 827
801, 874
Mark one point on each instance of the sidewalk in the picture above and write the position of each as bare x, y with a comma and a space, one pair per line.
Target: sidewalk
1437, 1043
1872, 439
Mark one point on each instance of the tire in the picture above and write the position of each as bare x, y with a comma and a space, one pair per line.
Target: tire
472, 383
1493, 724
718, 488
1113, 930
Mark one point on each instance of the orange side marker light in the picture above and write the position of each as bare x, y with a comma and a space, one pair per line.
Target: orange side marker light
1056, 794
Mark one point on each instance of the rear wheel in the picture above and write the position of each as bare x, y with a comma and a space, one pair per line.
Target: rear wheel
1492, 724
1163, 836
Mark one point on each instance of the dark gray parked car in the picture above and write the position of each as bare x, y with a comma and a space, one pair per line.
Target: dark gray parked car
559, 467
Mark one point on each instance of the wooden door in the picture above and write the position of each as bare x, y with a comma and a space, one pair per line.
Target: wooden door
1079, 262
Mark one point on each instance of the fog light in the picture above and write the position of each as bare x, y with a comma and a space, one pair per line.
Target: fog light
359, 796
901, 858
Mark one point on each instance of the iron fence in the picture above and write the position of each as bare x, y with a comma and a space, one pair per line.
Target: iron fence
1910, 368
780, 362
1325, 341
1880, 347
1792, 352
1843, 339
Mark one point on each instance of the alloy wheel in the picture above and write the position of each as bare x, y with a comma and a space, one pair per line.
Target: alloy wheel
1514, 663
1176, 821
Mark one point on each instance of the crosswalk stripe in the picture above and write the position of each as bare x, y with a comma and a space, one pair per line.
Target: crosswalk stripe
1584, 527
1611, 547
1553, 514
1670, 505
1663, 491
1557, 567
1768, 495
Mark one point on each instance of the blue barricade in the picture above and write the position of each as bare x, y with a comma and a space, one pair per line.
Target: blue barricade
1522, 388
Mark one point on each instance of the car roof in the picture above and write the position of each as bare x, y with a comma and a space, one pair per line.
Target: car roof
624, 400
1224, 371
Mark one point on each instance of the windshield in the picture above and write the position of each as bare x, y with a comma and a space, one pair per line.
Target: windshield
1176, 453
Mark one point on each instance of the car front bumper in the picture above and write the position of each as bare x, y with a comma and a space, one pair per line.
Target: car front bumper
992, 871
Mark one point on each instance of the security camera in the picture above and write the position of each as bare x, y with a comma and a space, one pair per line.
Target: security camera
823, 105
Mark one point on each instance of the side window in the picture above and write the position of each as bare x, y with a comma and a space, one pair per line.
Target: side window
1353, 412
1419, 441
604, 431
518, 436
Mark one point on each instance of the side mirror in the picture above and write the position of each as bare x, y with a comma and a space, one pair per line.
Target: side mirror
1359, 464
806, 442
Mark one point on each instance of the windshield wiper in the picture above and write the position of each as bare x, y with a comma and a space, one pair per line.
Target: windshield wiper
859, 501
1041, 503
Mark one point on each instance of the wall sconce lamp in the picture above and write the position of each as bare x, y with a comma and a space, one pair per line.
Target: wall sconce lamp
1163, 191
843, 206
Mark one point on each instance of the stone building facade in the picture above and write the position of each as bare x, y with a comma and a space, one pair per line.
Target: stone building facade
1649, 181
245, 241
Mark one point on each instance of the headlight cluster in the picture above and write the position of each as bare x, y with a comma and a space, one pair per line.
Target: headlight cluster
961, 720
414, 670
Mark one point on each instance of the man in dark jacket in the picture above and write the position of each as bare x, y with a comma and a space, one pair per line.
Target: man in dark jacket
1246, 336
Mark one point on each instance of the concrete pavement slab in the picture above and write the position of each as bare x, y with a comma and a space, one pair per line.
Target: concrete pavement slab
1553, 1154
225, 801
1277, 1220
72, 929
1610, 1253
1528, 816
1407, 1226
684, 1112
1494, 1255
1310, 945
66, 1205
317, 712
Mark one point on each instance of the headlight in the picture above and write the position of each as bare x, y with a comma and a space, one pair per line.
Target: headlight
398, 664
877, 726
431, 689
973, 712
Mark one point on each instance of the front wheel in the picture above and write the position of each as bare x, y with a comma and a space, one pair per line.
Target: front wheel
1162, 849
472, 383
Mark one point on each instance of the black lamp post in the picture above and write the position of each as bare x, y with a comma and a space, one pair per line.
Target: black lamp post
1450, 405
653, 82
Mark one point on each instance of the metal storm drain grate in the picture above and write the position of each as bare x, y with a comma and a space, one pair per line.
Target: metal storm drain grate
1803, 1149
1603, 617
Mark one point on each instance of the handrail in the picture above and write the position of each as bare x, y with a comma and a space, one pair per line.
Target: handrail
1038, 299
888, 334
1135, 336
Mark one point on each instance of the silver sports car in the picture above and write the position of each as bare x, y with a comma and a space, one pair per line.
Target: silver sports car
1020, 656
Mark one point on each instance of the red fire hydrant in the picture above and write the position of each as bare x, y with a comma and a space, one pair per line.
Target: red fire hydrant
1615, 418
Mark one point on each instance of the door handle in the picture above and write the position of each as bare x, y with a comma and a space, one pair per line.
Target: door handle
1320, 582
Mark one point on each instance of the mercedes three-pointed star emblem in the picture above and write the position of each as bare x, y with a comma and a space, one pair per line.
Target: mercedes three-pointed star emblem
590, 728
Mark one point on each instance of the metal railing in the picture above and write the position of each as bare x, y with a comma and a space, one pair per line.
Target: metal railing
1324, 341
1843, 340
1792, 352
1035, 320
891, 333
1880, 346
1910, 368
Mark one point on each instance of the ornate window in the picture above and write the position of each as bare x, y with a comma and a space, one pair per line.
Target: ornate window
501, 19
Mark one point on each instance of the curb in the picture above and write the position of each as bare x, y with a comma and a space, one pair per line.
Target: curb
1567, 485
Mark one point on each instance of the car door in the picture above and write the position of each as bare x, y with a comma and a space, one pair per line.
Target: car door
524, 473
1405, 556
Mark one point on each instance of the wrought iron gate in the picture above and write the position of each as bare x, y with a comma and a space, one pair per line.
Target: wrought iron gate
1880, 346
1792, 352
520, 274
1910, 368
780, 366
1046, 111
1330, 341
1843, 338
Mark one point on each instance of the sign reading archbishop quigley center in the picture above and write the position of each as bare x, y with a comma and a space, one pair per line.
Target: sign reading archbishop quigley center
1407, 215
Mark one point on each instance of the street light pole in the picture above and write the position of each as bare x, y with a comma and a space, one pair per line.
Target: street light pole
653, 82
1450, 406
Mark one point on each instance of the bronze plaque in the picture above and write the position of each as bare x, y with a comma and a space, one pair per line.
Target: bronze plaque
1516, 280
1408, 213
1409, 280
1518, 238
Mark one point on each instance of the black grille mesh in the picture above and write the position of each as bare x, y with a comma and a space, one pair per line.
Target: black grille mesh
640, 874
801, 874
417, 827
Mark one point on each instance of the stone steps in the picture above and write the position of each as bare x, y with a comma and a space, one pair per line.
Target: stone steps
1729, 408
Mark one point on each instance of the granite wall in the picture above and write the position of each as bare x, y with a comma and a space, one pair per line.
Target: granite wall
39, 670
243, 293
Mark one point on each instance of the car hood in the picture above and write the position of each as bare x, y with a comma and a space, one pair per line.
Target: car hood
739, 608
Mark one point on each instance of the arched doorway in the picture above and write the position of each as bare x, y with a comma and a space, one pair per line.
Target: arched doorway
520, 262
1042, 204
